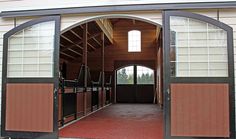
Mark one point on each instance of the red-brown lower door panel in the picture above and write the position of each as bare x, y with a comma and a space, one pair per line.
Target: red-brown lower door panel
200, 110
29, 107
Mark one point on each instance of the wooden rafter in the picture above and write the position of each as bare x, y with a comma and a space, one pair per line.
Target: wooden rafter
80, 42
65, 48
77, 35
68, 55
90, 45
99, 43
92, 36
64, 37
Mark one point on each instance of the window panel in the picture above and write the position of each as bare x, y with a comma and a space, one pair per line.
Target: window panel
181, 65
45, 67
182, 51
29, 49
145, 75
30, 67
199, 65
31, 60
14, 54
134, 41
197, 58
15, 73
198, 50
200, 46
45, 60
15, 60
125, 75
15, 67
30, 53
47, 53
195, 73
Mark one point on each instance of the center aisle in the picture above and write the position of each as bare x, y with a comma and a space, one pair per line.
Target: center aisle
118, 121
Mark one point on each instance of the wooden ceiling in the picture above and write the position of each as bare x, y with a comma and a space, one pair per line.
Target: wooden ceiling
71, 42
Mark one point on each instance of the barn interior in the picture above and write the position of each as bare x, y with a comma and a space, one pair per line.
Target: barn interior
105, 62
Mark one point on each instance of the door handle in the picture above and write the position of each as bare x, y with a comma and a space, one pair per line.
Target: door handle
55, 92
168, 94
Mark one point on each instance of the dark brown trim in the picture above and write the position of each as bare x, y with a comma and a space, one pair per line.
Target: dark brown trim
119, 8
85, 62
102, 65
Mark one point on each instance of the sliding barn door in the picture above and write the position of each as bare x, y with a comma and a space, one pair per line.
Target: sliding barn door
30, 79
199, 76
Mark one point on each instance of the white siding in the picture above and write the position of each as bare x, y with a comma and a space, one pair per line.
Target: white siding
12, 5
228, 16
5, 25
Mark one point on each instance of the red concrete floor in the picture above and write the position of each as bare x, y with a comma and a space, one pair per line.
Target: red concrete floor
119, 121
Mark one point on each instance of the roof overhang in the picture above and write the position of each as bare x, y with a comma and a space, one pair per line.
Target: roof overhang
119, 8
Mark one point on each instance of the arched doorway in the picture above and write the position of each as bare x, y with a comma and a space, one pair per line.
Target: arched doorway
135, 84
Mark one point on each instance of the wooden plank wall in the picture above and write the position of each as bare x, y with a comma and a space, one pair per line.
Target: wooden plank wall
119, 51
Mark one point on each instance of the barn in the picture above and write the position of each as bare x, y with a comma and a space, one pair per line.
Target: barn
117, 69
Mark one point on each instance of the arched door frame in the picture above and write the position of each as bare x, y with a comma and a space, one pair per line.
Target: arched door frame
112, 16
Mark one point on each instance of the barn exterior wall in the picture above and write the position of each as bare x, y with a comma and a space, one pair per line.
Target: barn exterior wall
227, 16
7, 5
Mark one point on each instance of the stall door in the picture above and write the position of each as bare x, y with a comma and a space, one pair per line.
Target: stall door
30, 79
199, 76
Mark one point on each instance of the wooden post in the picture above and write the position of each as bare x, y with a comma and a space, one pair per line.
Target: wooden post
85, 62
102, 65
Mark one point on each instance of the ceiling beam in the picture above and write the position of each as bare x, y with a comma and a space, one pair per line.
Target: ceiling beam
64, 37
75, 52
80, 42
90, 45
65, 48
106, 27
68, 55
99, 43
77, 35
